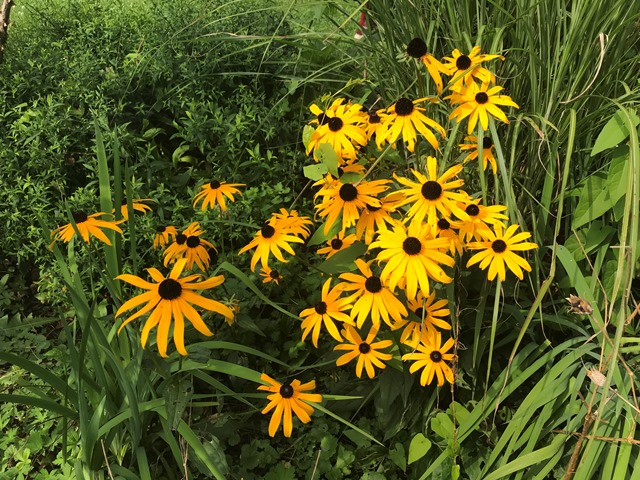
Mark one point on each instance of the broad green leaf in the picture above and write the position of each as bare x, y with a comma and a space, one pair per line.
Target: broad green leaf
344, 259
315, 172
319, 237
350, 177
594, 201
307, 131
442, 426
397, 456
327, 156
614, 132
616, 183
419, 447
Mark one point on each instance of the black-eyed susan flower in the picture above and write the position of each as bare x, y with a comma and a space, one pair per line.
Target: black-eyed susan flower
269, 275
88, 226
164, 234
487, 151
366, 351
446, 228
291, 223
214, 193
403, 118
478, 220
138, 205
344, 131
287, 398
431, 355
329, 310
432, 193
458, 63
478, 102
373, 124
337, 244
430, 313
347, 200
416, 48
270, 239
499, 249
375, 219
170, 299
322, 116
189, 245
412, 255
371, 297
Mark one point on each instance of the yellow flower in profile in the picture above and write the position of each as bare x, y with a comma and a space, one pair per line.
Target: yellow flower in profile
487, 151
405, 117
164, 235
412, 256
458, 63
445, 228
137, 204
171, 298
269, 275
214, 193
373, 124
499, 249
416, 48
347, 200
88, 226
478, 220
431, 355
329, 310
287, 398
433, 193
367, 352
478, 102
344, 131
371, 297
429, 313
337, 244
291, 223
270, 239
375, 219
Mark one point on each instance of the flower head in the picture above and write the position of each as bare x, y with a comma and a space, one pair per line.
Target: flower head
429, 312
431, 355
164, 235
487, 151
478, 219
269, 275
337, 244
88, 226
137, 204
270, 239
214, 193
170, 299
375, 219
464, 68
366, 351
416, 48
287, 398
189, 245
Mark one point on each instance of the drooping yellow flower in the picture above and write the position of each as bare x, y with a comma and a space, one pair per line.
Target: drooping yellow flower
416, 48
366, 351
499, 249
337, 244
478, 102
405, 117
291, 223
88, 226
487, 151
458, 63
214, 193
270, 239
329, 310
478, 220
170, 299
269, 275
445, 228
287, 398
429, 313
373, 124
412, 255
375, 219
164, 235
433, 193
138, 205
431, 355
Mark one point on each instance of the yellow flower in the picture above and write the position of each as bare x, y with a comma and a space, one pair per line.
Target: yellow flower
171, 298
291, 223
371, 297
88, 225
433, 193
189, 245
445, 229
213, 193
374, 122
164, 235
404, 117
337, 244
375, 219
412, 255
478, 102
499, 250
416, 48
137, 204
478, 220
269, 275
270, 239
428, 312
456, 66
431, 355
487, 151
365, 351
287, 398
330, 308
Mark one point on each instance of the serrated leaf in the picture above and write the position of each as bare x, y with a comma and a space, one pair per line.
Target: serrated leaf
315, 172
614, 132
327, 155
418, 448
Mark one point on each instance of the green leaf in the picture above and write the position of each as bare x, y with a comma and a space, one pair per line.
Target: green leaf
319, 237
442, 426
419, 447
327, 155
397, 456
618, 172
315, 172
178, 153
344, 259
614, 132
307, 131
594, 201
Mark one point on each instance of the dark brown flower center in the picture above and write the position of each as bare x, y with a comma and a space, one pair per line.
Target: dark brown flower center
463, 62
374, 118
336, 244
321, 308
335, 124
412, 246
161, 229
487, 142
416, 48
371, 208
181, 239
420, 312
274, 274
404, 107
286, 391
267, 231
443, 224
482, 97
364, 347
193, 241
373, 284
80, 217
498, 246
348, 192
323, 119
435, 356
472, 210
169, 289
214, 184
431, 190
